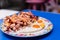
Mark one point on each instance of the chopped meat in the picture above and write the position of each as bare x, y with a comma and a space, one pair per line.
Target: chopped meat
16, 21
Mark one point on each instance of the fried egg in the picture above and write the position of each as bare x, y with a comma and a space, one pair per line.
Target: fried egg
34, 27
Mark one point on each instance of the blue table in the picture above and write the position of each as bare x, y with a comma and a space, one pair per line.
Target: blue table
54, 18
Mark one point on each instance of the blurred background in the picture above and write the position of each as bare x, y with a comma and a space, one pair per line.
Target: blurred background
42, 5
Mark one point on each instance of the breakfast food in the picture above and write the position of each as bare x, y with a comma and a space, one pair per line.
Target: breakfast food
23, 22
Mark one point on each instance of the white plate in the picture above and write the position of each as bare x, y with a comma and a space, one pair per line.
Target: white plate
48, 27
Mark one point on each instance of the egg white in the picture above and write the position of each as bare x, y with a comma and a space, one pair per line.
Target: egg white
30, 28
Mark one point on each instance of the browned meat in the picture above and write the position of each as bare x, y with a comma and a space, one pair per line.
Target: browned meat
15, 21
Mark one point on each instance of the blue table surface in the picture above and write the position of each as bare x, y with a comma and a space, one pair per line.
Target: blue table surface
55, 33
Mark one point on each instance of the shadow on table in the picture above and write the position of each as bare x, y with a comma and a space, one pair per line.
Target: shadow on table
32, 38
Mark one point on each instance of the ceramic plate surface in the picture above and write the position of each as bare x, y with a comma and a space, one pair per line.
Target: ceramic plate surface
47, 28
